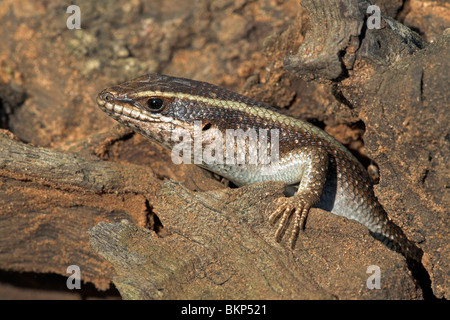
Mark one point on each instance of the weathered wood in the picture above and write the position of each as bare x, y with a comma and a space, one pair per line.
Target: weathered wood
339, 35
219, 246
48, 200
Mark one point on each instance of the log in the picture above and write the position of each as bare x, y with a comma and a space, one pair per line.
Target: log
49, 198
339, 35
219, 246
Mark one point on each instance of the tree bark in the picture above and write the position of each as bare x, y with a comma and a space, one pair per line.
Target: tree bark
50, 198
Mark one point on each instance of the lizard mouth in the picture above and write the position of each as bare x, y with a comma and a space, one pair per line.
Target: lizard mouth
124, 108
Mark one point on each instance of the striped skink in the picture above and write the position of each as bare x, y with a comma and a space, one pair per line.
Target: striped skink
328, 176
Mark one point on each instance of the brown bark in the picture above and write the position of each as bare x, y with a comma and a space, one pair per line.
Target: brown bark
220, 247
49, 198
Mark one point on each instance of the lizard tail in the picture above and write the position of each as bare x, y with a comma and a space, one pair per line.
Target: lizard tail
394, 238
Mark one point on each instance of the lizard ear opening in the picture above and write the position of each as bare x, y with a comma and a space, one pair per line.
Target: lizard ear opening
206, 127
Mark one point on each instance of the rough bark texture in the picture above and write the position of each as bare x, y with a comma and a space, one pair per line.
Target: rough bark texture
71, 179
407, 134
48, 200
220, 247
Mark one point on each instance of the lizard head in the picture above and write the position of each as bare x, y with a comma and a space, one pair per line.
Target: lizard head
155, 105
150, 106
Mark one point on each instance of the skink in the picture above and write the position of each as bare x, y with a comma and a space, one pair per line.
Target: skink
327, 174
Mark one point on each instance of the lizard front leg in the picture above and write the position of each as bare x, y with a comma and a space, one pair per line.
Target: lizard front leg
312, 177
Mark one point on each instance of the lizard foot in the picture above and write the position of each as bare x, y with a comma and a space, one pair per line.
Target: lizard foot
285, 208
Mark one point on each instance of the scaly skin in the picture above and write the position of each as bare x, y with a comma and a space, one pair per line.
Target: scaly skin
327, 174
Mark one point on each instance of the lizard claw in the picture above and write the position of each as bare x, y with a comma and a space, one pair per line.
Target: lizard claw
287, 206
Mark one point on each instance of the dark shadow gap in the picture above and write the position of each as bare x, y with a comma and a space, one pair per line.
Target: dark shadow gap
56, 283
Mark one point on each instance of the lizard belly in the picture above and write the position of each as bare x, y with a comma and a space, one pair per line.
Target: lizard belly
337, 196
341, 197
288, 169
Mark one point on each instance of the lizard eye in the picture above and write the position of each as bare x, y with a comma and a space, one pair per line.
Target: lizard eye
155, 104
